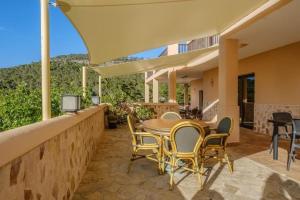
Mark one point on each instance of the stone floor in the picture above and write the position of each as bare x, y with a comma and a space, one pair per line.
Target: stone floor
256, 175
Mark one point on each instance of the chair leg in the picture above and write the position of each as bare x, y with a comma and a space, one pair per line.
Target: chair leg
172, 173
133, 156
220, 159
290, 157
229, 163
163, 163
199, 172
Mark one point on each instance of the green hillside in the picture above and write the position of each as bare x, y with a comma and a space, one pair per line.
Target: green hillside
20, 89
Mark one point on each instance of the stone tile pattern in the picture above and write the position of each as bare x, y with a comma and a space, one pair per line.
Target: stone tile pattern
54, 169
107, 177
161, 108
263, 112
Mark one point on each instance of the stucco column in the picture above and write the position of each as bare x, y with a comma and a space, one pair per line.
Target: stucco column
84, 80
147, 89
147, 93
172, 85
100, 87
186, 94
45, 60
228, 84
155, 91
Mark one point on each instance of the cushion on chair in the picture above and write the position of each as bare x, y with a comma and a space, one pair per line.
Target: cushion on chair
171, 116
224, 125
149, 140
186, 139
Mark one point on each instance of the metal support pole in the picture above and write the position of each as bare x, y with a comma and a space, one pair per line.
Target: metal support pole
100, 87
45, 60
84, 79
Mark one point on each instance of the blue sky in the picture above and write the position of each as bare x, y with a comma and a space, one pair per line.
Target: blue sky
20, 34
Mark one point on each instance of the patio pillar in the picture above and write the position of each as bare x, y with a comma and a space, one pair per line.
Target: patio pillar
147, 89
172, 85
45, 60
100, 87
155, 91
186, 94
228, 84
84, 79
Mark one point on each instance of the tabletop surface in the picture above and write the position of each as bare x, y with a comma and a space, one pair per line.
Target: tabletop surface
163, 126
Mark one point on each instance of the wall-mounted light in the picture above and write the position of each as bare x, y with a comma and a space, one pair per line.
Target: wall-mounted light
70, 103
96, 100
212, 82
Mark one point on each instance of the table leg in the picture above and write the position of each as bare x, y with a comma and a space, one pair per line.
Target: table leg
275, 143
161, 164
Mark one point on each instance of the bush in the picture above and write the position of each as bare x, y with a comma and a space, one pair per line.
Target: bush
23, 105
144, 113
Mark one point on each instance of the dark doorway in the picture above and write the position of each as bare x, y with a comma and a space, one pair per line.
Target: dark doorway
201, 100
246, 96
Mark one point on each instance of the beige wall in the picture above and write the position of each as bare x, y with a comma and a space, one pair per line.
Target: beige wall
277, 81
196, 85
209, 85
277, 75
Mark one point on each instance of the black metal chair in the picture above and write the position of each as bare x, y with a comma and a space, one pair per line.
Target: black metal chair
283, 119
294, 143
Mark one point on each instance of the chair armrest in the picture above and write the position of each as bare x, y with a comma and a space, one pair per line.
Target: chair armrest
145, 134
166, 147
214, 136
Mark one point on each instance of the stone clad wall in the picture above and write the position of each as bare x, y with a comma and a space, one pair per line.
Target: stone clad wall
263, 112
161, 108
53, 169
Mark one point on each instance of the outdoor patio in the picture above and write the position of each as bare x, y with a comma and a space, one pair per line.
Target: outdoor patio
256, 175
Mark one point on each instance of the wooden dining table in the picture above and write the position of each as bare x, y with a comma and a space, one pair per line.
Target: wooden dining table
162, 128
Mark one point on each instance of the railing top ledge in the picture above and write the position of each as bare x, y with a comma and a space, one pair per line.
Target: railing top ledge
17, 142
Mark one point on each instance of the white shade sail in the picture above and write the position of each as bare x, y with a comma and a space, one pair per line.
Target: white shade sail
141, 66
115, 28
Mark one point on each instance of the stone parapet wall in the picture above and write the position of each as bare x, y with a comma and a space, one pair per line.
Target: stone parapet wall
161, 108
263, 112
53, 168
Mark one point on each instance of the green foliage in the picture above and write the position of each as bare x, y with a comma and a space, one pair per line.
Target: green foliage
121, 89
18, 107
20, 90
144, 113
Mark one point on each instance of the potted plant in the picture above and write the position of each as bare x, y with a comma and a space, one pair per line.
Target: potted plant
112, 118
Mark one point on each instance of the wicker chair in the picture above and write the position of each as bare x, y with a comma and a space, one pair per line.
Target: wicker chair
142, 141
215, 143
185, 140
171, 116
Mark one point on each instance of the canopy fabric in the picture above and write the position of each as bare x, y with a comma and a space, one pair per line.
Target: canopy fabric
116, 28
141, 66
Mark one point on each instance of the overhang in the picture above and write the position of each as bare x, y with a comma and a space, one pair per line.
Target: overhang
163, 62
115, 28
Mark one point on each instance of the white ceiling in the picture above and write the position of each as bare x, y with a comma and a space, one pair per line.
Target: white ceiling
280, 28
